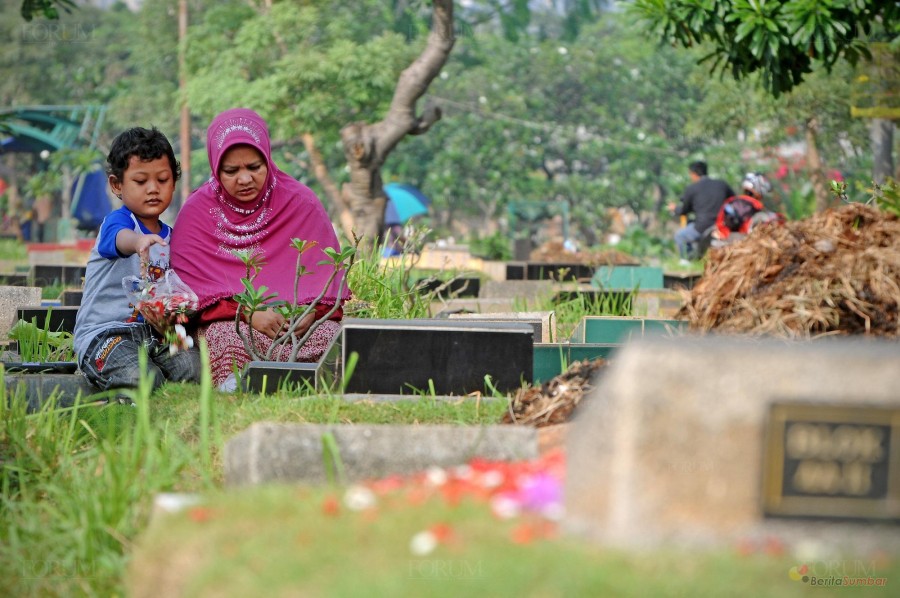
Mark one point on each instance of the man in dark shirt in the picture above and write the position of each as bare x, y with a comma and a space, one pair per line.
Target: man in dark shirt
703, 197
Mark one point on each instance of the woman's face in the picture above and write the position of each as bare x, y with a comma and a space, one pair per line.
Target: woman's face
243, 172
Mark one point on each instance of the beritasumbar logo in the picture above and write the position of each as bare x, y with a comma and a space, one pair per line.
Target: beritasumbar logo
804, 573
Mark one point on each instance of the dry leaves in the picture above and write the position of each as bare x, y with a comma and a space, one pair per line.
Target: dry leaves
554, 252
554, 401
835, 273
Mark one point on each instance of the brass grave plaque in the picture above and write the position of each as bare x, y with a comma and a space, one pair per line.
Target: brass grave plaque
832, 461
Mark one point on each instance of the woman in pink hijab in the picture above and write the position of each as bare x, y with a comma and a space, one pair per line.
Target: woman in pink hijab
248, 204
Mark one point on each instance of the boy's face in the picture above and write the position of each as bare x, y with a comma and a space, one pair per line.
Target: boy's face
146, 189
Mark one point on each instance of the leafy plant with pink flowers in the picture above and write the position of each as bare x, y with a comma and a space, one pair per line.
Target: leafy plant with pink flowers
254, 299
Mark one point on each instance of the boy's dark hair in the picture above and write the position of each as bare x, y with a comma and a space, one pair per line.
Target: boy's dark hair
698, 168
146, 144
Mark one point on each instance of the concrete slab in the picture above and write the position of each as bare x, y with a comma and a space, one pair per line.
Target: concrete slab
269, 452
708, 441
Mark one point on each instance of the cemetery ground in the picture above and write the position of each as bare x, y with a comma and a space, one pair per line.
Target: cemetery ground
79, 500
86, 492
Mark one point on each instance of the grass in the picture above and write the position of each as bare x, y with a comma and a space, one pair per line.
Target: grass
38, 343
13, 250
225, 548
77, 484
77, 487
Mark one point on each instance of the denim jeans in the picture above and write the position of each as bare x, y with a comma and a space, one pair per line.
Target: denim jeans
111, 360
685, 239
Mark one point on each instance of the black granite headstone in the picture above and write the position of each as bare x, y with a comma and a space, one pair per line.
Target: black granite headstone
515, 271
60, 318
680, 281
271, 376
48, 275
559, 271
446, 356
461, 286
14, 280
71, 298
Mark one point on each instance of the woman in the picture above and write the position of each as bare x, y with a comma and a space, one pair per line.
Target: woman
248, 204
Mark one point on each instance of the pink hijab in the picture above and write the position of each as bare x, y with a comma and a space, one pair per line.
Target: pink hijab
212, 223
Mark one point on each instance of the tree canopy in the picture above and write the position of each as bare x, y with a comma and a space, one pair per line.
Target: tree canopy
781, 40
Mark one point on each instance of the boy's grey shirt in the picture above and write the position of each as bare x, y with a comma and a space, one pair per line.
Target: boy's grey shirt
104, 304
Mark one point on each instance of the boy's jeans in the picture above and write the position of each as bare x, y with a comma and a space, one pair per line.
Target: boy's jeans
111, 360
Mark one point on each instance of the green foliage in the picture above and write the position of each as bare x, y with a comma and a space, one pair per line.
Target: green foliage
385, 289
49, 9
887, 196
495, 246
638, 242
254, 299
39, 343
77, 486
781, 41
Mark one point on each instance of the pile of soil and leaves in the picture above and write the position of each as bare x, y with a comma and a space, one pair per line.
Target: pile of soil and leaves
554, 401
835, 273
555, 252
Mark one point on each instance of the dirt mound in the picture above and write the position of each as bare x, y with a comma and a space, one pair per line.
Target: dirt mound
554, 401
553, 251
835, 273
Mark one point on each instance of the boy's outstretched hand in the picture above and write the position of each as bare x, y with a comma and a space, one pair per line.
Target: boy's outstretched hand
142, 248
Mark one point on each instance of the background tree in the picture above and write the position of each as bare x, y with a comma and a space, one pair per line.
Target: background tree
367, 146
780, 44
781, 41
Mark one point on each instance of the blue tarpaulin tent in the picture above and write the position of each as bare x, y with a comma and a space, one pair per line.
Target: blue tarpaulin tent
92, 204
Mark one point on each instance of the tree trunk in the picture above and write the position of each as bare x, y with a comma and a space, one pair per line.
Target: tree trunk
338, 209
367, 146
814, 163
881, 133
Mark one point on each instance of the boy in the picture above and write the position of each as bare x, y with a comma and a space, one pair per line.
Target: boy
108, 330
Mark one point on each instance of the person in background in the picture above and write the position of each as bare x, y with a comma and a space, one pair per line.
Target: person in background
740, 213
109, 332
703, 198
248, 204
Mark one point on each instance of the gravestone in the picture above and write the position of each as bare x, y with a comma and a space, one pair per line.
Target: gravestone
459, 286
706, 441
552, 359
448, 357
474, 306
39, 389
71, 297
10, 300
658, 303
681, 280
51, 274
628, 277
270, 452
544, 322
60, 318
558, 271
270, 376
529, 292
620, 329
14, 280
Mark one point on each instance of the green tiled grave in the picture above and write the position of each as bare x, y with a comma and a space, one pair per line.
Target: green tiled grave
628, 277
549, 358
619, 329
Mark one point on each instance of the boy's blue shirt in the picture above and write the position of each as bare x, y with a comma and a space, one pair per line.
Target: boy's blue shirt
104, 304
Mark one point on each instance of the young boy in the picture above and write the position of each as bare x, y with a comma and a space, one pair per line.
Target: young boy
108, 330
